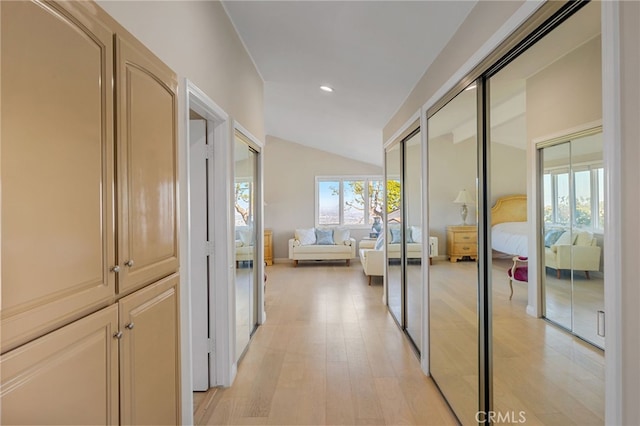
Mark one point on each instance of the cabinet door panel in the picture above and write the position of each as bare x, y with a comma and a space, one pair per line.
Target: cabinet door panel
57, 168
69, 376
147, 167
150, 355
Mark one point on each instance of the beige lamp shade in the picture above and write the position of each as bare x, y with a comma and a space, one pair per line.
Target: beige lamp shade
464, 197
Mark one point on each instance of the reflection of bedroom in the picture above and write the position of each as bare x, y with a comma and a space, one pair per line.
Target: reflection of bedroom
546, 99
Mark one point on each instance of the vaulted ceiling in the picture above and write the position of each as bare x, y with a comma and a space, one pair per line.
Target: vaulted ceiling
372, 53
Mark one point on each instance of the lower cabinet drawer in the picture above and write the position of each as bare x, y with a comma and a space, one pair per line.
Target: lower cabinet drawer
465, 237
464, 249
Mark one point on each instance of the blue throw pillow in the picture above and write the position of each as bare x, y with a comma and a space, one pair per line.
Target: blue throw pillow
324, 237
396, 236
551, 236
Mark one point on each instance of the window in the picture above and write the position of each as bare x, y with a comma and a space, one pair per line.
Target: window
585, 205
349, 201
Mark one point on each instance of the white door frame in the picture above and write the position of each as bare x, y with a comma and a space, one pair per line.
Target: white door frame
219, 128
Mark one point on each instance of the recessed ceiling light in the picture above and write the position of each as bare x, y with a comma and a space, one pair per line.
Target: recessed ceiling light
326, 88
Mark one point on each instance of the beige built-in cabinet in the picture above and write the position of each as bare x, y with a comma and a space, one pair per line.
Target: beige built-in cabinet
90, 305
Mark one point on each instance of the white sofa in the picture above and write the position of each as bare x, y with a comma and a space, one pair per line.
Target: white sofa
343, 248
578, 251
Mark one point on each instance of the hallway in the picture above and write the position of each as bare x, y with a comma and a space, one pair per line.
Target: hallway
329, 353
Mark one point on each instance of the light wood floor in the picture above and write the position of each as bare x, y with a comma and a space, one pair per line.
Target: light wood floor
551, 376
329, 354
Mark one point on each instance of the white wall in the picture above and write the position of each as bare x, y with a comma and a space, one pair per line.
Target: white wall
197, 40
566, 94
289, 187
481, 24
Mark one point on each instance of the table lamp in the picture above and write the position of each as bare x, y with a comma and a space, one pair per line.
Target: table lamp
463, 198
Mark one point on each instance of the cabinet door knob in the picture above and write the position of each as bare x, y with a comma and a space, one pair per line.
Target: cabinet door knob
117, 335
129, 263
115, 269
129, 326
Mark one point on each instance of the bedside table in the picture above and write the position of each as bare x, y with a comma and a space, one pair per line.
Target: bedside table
462, 240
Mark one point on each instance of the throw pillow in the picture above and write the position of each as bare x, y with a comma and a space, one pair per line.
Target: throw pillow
409, 236
306, 237
341, 235
566, 239
584, 238
324, 237
246, 236
416, 234
551, 236
396, 236
379, 242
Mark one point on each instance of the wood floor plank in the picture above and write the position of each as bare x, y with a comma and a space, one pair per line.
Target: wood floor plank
395, 409
340, 404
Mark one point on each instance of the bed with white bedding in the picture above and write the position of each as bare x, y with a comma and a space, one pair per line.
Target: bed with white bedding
509, 233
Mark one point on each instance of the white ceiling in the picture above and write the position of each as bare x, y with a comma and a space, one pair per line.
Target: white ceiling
371, 52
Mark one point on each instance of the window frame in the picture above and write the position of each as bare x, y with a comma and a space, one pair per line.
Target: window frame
595, 199
341, 179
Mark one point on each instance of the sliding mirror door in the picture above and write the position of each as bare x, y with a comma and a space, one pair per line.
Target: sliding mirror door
413, 237
246, 241
453, 281
393, 232
537, 196
573, 211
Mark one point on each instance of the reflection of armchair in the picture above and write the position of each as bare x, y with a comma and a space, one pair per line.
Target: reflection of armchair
582, 255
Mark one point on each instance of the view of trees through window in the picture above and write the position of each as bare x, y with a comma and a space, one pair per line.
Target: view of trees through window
243, 202
353, 201
587, 201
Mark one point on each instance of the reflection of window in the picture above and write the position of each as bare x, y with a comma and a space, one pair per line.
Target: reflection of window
243, 204
348, 201
584, 206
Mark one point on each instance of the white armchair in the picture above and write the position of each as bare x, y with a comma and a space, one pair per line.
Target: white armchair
581, 255
372, 262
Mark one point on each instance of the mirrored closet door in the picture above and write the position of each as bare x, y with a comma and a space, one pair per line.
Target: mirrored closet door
393, 232
413, 241
452, 152
573, 212
247, 241
492, 350
404, 243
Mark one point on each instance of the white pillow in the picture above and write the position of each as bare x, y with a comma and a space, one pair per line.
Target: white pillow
306, 237
584, 238
416, 234
566, 239
246, 236
341, 236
